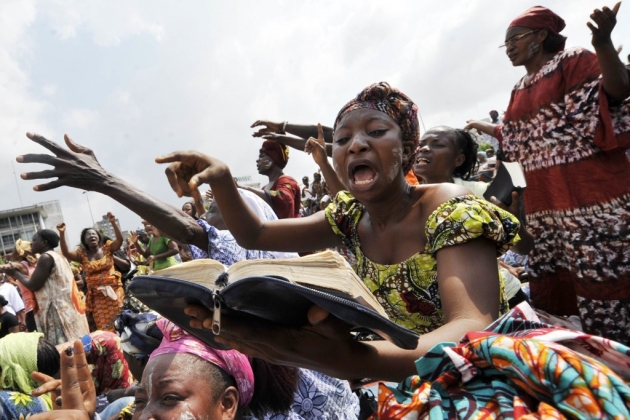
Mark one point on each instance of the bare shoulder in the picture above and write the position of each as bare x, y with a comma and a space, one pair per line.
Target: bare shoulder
434, 195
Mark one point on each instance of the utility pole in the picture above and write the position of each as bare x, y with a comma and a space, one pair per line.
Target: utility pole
90, 207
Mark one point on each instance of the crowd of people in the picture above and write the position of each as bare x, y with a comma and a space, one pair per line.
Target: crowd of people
522, 308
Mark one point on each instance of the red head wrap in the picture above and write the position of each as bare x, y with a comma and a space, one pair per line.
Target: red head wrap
382, 97
539, 17
278, 152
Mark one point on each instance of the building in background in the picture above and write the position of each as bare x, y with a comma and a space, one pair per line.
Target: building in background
106, 228
23, 222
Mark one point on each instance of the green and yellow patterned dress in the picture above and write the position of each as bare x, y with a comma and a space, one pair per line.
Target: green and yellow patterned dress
409, 290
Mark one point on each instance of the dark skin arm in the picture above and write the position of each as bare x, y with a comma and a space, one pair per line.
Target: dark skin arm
115, 245
316, 148
303, 131
189, 169
63, 244
121, 263
45, 263
260, 193
295, 142
615, 75
79, 168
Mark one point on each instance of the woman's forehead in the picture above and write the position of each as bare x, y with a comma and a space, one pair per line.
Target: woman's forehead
363, 115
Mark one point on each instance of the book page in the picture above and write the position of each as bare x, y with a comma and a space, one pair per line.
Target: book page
516, 173
204, 272
325, 271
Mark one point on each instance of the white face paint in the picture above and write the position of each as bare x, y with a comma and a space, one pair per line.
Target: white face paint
149, 384
392, 171
533, 48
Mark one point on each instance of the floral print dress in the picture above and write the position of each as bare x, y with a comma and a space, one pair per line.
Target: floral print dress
409, 290
105, 294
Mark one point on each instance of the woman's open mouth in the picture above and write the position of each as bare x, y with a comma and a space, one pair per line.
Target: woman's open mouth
362, 175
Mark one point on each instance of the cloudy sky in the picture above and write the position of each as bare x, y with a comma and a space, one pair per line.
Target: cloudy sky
137, 79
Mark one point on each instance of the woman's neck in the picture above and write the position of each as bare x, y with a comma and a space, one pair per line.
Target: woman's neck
392, 208
534, 64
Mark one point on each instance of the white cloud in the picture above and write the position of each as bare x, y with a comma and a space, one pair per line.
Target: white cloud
79, 118
49, 90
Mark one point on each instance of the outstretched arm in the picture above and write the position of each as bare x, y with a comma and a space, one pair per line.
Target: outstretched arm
303, 131
79, 168
483, 126
45, 263
190, 169
297, 143
63, 244
615, 75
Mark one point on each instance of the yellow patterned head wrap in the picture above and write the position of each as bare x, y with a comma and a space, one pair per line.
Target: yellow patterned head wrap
18, 359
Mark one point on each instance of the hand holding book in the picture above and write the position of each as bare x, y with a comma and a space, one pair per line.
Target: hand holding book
325, 345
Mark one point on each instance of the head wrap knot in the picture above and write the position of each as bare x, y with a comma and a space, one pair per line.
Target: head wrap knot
278, 152
382, 97
231, 362
539, 17
18, 359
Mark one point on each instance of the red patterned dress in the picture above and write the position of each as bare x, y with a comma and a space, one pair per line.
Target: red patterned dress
285, 197
571, 142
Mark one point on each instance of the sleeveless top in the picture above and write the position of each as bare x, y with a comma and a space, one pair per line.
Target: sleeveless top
60, 317
409, 290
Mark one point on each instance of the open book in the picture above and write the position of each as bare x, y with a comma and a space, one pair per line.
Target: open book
509, 178
280, 291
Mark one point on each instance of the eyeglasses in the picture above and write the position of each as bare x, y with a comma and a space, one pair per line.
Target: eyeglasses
517, 38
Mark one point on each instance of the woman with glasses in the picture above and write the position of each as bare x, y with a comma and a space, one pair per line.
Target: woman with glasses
568, 124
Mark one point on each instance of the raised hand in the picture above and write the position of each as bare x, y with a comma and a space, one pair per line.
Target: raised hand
317, 147
209, 195
78, 396
77, 167
269, 127
61, 227
605, 19
189, 169
111, 217
134, 237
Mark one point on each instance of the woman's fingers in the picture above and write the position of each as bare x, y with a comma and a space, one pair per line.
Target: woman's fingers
71, 397
49, 384
84, 377
171, 176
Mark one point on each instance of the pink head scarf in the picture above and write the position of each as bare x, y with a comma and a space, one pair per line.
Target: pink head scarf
232, 362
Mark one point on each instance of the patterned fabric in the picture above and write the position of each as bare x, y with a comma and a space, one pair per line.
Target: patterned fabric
235, 364
570, 141
223, 248
382, 97
110, 370
539, 17
18, 406
320, 397
60, 316
159, 245
409, 290
127, 412
518, 368
278, 152
285, 197
103, 284
18, 359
